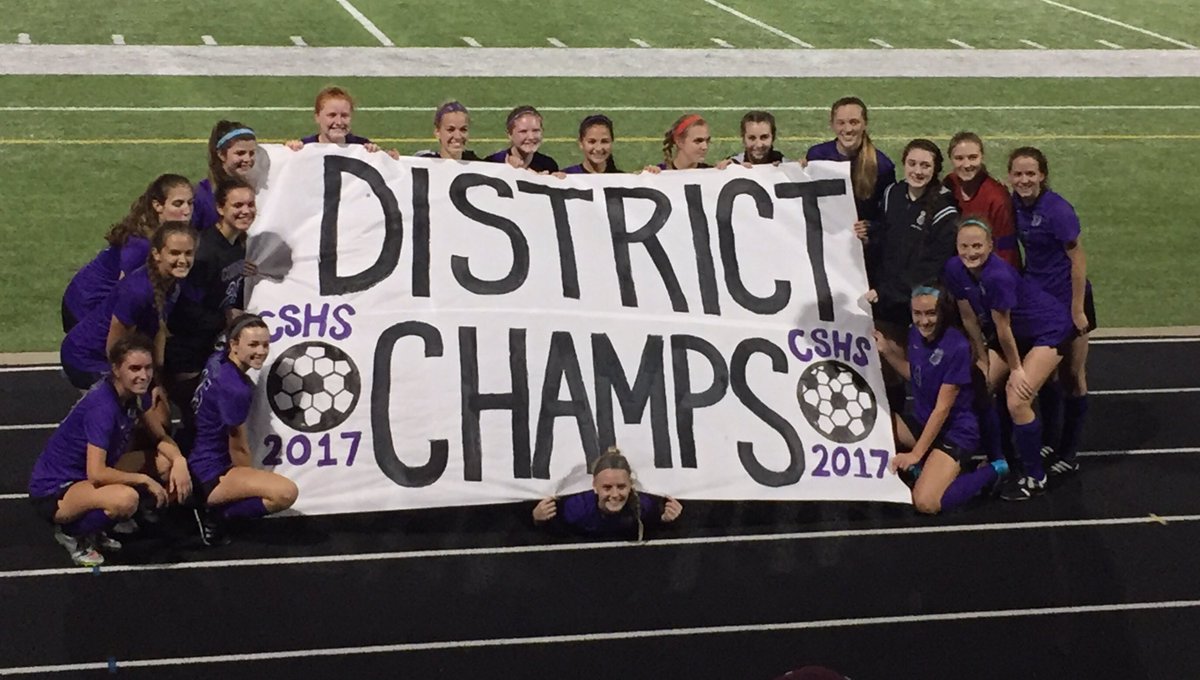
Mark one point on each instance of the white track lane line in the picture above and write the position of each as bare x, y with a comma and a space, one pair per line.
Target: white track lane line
765, 26
1122, 24
366, 23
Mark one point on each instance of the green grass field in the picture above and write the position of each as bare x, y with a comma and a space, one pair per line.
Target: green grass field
67, 174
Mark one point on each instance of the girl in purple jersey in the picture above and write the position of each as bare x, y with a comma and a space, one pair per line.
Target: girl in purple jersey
231, 151
167, 199
1049, 231
524, 126
84, 481
596, 142
452, 130
613, 508
333, 112
871, 171
1033, 331
220, 460
139, 303
947, 433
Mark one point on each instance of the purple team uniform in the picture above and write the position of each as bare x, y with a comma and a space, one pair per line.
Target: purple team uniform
204, 206
132, 303
99, 419
1044, 229
944, 362
540, 162
581, 513
221, 404
1038, 319
580, 170
868, 209
350, 139
92, 284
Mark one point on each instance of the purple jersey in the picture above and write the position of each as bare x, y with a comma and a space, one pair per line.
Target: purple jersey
95, 281
539, 163
964, 287
222, 403
944, 362
132, 303
204, 206
869, 208
1036, 316
581, 513
580, 170
99, 419
1045, 228
350, 139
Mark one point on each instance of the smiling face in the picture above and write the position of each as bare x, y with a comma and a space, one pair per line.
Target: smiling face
974, 245
134, 373
612, 489
175, 257
925, 315
238, 211
757, 141
919, 168
453, 133
238, 157
967, 159
177, 207
1026, 177
596, 144
333, 120
526, 134
251, 347
692, 147
848, 123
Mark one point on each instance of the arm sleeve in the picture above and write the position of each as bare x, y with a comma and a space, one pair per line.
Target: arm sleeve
958, 363
234, 406
1066, 222
98, 426
1002, 290
134, 254
130, 300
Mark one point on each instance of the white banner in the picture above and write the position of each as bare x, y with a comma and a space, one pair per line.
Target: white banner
464, 333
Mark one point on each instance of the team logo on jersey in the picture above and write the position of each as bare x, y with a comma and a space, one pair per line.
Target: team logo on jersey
837, 402
313, 386
936, 357
1037, 220
921, 219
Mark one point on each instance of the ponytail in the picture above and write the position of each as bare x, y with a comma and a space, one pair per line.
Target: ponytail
864, 169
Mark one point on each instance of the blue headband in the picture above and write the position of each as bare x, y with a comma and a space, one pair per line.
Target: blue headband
926, 290
240, 132
972, 222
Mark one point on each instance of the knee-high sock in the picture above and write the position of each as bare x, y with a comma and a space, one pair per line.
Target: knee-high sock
967, 486
1028, 440
1074, 414
92, 522
246, 508
989, 428
1006, 437
1050, 406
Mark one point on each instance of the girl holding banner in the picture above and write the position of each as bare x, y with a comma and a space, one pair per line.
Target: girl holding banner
451, 127
333, 112
946, 432
596, 142
167, 199
1033, 331
758, 140
685, 145
613, 508
229, 487
871, 171
231, 150
524, 126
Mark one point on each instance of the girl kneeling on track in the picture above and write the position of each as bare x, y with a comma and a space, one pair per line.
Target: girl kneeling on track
333, 111
231, 151
613, 508
939, 367
1033, 331
167, 199
220, 460
84, 482
139, 303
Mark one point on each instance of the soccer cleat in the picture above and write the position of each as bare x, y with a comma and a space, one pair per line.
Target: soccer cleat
106, 543
1058, 466
1047, 451
1022, 488
82, 551
212, 529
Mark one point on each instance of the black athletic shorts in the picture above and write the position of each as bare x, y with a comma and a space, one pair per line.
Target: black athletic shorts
958, 453
205, 489
47, 506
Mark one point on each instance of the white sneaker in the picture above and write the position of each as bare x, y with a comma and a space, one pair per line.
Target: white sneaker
106, 543
82, 551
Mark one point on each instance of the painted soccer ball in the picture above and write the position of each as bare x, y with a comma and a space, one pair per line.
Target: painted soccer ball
837, 401
313, 386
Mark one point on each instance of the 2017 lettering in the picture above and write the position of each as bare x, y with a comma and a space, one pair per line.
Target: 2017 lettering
841, 461
299, 449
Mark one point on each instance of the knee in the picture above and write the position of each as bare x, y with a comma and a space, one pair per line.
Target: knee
926, 503
122, 503
285, 496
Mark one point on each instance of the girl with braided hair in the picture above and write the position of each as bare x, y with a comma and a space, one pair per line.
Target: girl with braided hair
685, 146
167, 199
140, 302
613, 508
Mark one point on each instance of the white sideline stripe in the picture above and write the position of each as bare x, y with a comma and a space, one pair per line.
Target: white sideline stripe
298, 41
877, 41
1035, 45
1149, 390
366, 23
955, 41
1136, 452
765, 26
471, 42
23, 369
1123, 341
208, 40
23, 39
1111, 45
556, 42
1122, 24
722, 43
733, 629
698, 107
1146, 520
639, 42
118, 39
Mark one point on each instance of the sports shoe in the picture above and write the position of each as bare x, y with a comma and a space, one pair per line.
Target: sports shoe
125, 528
910, 475
1057, 466
212, 529
104, 542
1022, 488
1047, 451
82, 551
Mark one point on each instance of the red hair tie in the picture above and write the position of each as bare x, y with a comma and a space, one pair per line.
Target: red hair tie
684, 124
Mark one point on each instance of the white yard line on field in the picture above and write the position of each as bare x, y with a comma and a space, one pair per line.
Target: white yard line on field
1035, 45
1122, 24
366, 23
765, 26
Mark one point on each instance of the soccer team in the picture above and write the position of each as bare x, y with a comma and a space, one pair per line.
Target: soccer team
980, 298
